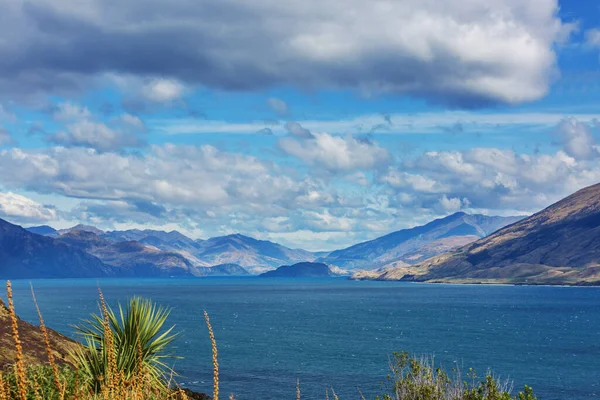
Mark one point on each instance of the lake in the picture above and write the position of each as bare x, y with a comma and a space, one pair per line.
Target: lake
340, 333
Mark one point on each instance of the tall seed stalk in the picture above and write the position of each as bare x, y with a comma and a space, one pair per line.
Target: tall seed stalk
214, 357
21, 378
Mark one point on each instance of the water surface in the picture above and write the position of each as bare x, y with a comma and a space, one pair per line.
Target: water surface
340, 333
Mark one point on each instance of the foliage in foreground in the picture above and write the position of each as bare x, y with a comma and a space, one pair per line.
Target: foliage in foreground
122, 358
126, 347
418, 379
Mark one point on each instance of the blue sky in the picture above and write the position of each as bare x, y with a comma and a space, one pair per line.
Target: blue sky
316, 125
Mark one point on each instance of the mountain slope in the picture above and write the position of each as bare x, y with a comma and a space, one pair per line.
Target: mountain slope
44, 230
81, 227
26, 255
558, 245
222, 270
32, 341
300, 270
130, 258
173, 241
419, 243
249, 252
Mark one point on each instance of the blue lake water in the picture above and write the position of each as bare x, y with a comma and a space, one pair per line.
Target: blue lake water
339, 333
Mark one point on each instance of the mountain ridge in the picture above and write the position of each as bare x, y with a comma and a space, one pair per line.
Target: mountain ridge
28, 255
418, 243
557, 245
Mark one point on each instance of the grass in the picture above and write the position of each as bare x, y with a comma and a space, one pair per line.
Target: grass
123, 356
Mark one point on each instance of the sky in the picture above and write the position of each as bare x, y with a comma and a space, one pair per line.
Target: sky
315, 124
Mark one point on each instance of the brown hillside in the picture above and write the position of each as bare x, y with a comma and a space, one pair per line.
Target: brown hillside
558, 245
32, 340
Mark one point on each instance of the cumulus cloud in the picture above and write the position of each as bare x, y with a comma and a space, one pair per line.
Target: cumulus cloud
95, 135
67, 111
336, 153
186, 176
452, 204
465, 53
163, 90
5, 137
278, 106
21, 209
297, 130
497, 179
577, 139
592, 37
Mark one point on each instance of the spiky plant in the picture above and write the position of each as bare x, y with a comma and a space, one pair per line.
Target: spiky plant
130, 346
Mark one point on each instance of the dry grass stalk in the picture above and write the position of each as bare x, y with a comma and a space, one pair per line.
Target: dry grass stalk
231, 397
110, 375
21, 378
3, 395
326, 393
37, 390
51, 361
214, 356
362, 397
298, 389
182, 394
334, 395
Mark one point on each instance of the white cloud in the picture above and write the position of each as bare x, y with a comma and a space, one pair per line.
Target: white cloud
577, 139
468, 53
452, 204
198, 177
592, 37
69, 112
414, 123
163, 90
95, 135
5, 137
496, 179
18, 208
297, 130
278, 106
335, 153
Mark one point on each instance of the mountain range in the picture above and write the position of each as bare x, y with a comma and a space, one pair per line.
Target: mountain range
144, 253
409, 246
558, 245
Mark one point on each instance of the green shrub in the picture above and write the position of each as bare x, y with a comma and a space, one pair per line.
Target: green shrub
41, 382
126, 347
419, 379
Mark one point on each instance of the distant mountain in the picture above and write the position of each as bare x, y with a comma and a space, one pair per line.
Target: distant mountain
222, 270
173, 241
27, 255
249, 252
413, 245
44, 230
81, 227
300, 270
558, 245
130, 258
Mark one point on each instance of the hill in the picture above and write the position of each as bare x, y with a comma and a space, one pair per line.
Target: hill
222, 270
413, 245
300, 270
249, 252
130, 258
42, 230
558, 245
32, 340
26, 255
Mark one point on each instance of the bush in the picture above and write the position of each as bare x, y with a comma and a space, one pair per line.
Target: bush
418, 379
